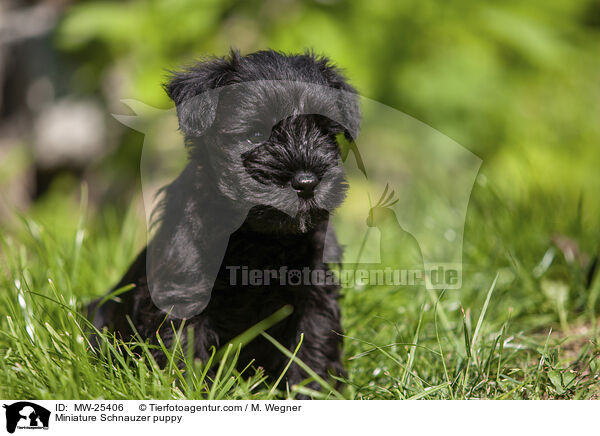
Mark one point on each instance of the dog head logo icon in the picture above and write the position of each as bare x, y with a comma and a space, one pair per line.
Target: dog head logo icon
26, 415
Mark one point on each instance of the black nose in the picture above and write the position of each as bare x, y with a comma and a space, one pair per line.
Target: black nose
305, 183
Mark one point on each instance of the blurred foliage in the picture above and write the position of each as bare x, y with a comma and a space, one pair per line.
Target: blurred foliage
515, 82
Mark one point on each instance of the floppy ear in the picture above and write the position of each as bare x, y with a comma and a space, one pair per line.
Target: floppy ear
194, 92
347, 98
185, 254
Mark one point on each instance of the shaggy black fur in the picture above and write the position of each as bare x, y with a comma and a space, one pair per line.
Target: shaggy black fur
252, 123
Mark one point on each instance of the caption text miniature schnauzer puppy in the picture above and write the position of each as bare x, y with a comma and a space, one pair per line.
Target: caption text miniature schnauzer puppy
264, 174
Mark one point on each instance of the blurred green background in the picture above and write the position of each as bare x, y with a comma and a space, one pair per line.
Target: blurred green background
517, 83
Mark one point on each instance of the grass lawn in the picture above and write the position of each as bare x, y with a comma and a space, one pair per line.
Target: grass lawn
524, 325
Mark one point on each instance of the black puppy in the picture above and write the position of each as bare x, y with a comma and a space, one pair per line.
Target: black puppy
265, 172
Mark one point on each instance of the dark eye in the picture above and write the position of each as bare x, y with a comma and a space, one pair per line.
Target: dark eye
256, 137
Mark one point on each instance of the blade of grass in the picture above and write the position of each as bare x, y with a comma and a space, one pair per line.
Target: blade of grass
437, 335
428, 391
304, 366
483, 311
411, 354
272, 391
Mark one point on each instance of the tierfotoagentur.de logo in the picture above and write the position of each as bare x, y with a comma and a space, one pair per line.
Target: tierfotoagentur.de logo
24, 415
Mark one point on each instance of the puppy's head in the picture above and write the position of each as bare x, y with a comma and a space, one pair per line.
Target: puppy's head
268, 128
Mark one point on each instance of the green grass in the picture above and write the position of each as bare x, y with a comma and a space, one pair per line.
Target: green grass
523, 325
